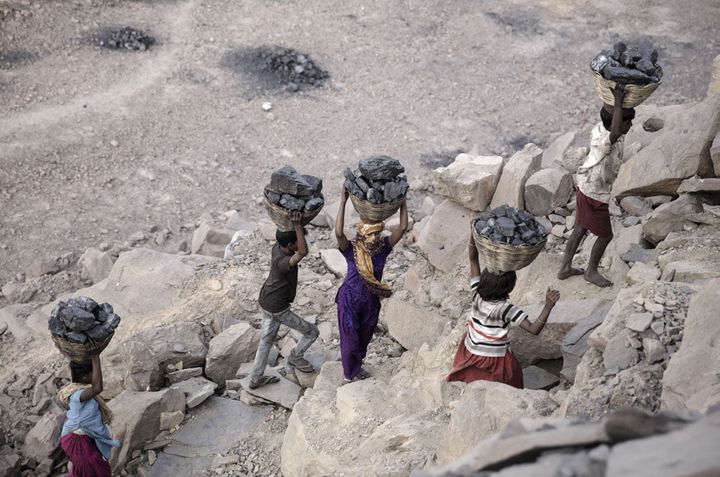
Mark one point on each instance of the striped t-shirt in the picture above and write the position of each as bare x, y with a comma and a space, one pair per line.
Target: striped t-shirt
488, 324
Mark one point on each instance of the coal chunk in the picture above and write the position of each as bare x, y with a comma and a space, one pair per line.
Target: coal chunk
56, 326
289, 202
505, 226
316, 183
374, 196
77, 319
395, 190
287, 180
381, 168
125, 38
76, 337
362, 184
83, 302
348, 174
509, 225
314, 204
272, 196
633, 64
353, 188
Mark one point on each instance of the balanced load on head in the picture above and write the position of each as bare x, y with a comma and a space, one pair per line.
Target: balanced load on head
634, 66
377, 187
288, 192
507, 238
81, 327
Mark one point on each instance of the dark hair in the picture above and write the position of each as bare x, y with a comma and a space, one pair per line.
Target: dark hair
628, 114
287, 238
494, 287
78, 371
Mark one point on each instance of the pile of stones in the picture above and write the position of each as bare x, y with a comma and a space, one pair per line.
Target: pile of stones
294, 191
509, 225
83, 320
628, 64
379, 180
291, 68
125, 38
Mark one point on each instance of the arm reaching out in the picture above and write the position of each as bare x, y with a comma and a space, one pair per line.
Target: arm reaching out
302, 249
340, 222
535, 327
402, 228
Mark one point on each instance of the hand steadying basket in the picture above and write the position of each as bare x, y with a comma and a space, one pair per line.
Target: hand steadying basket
635, 94
281, 216
80, 352
370, 212
501, 257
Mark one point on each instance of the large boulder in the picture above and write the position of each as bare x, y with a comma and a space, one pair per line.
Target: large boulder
136, 420
410, 325
510, 189
440, 238
690, 381
547, 189
714, 84
554, 153
484, 408
44, 438
469, 180
139, 362
229, 349
715, 154
670, 217
680, 150
96, 265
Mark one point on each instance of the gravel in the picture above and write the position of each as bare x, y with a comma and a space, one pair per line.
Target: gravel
124, 38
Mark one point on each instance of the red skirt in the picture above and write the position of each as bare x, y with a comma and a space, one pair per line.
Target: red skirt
593, 215
469, 367
87, 461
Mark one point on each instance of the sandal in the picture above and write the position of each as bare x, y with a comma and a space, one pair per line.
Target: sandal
263, 381
301, 364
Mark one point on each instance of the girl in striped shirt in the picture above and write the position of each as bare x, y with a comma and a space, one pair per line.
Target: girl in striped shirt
483, 352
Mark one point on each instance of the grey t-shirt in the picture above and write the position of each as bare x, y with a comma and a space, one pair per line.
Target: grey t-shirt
279, 289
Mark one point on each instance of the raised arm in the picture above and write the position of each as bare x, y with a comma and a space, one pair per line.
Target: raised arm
402, 228
617, 118
340, 222
96, 382
302, 249
535, 327
473, 256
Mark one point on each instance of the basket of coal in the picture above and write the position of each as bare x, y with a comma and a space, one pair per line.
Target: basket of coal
288, 192
377, 188
81, 327
507, 238
633, 66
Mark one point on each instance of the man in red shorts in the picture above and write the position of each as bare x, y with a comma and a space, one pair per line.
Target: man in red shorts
594, 182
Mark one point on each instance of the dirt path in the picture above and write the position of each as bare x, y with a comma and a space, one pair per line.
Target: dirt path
96, 144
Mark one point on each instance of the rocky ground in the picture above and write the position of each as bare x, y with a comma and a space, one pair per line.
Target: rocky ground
179, 244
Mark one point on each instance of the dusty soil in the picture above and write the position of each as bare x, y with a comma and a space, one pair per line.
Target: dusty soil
97, 144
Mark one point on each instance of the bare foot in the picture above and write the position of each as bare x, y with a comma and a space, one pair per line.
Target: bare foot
569, 272
596, 279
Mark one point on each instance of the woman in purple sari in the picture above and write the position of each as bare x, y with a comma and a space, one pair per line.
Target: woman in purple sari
358, 299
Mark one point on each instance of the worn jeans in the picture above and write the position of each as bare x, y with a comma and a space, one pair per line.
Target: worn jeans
270, 325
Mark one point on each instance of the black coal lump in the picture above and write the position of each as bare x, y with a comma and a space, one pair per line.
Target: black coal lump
314, 204
381, 168
348, 174
316, 183
289, 202
374, 196
354, 189
77, 319
83, 302
287, 180
394, 191
505, 226
362, 184
76, 337
272, 196
56, 326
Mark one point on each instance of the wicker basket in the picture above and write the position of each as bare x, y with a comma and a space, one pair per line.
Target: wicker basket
375, 212
500, 257
80, 352
281, 217
635, 94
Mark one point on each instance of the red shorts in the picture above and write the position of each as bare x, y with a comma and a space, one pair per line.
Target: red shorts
593, 215
469, 367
